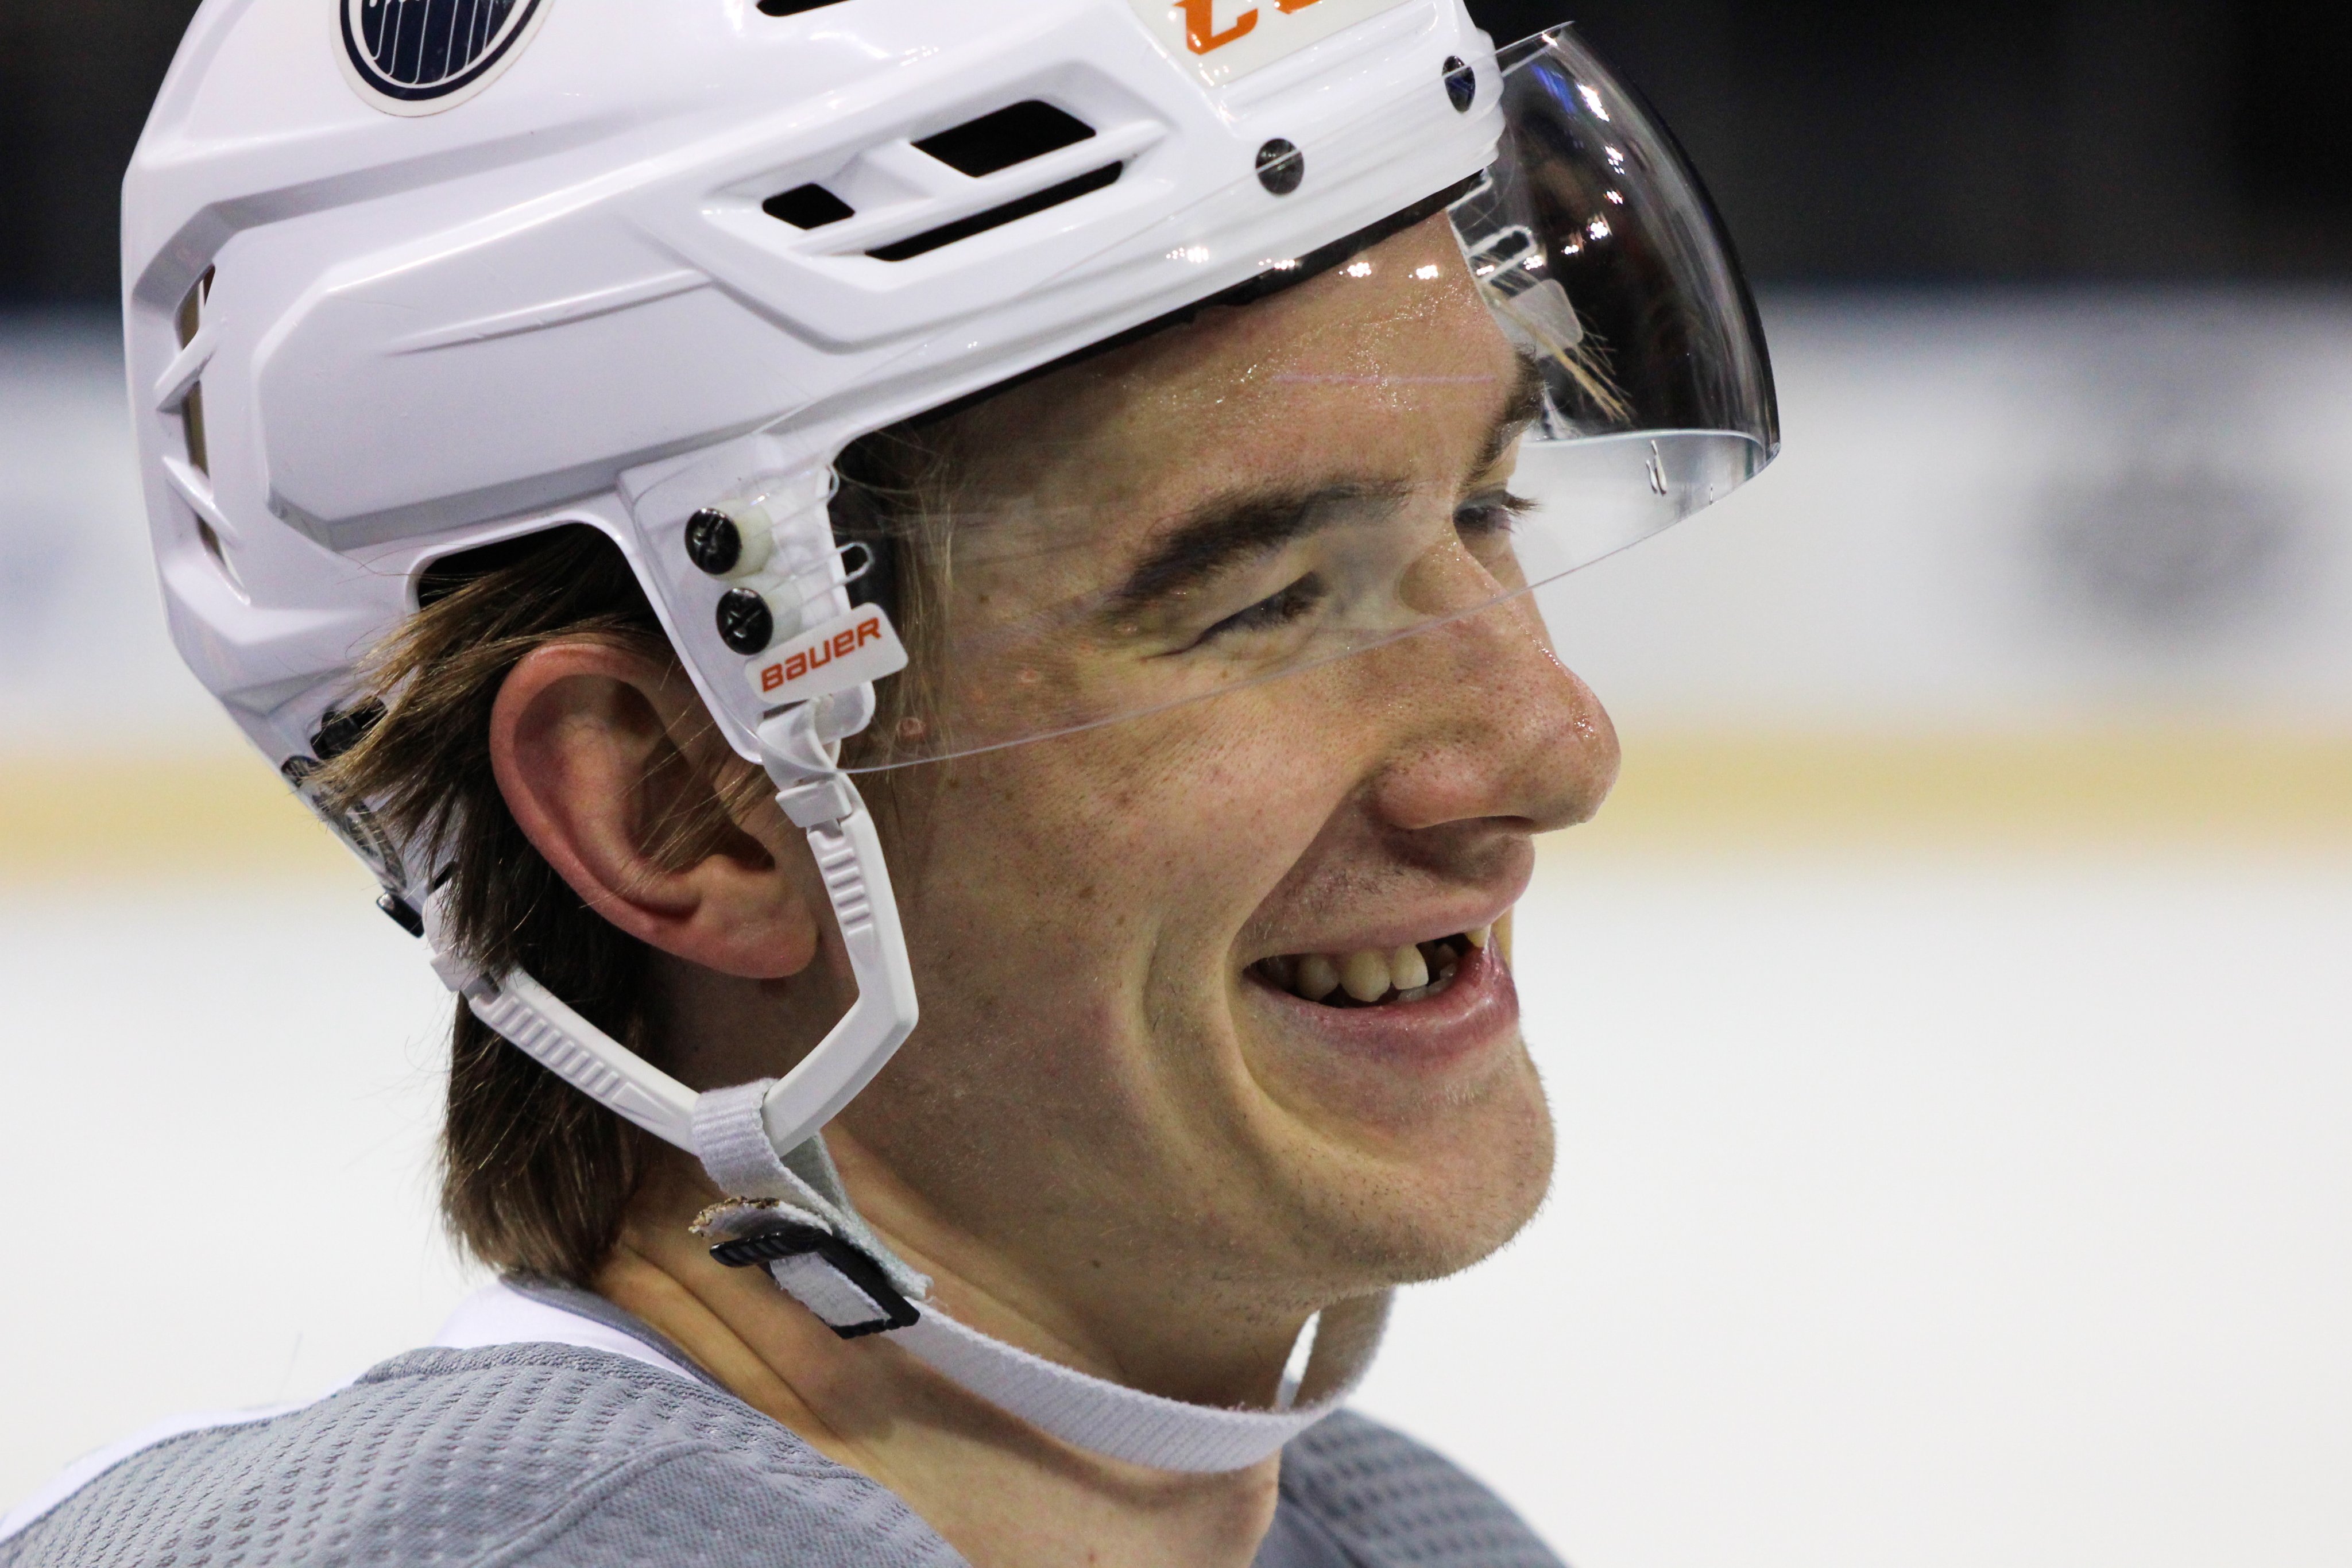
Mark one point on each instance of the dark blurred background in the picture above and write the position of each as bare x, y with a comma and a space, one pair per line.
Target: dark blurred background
2003, 140
1999, 141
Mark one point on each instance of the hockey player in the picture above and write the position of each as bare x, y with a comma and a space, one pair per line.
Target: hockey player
747, 518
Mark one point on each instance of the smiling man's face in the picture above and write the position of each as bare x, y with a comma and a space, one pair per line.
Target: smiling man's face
1133, 1078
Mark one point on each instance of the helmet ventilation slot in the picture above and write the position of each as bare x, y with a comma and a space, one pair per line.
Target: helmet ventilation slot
191, 425
808, 207
1011, 135
792, 7
995, 217
187, 320
340, 729
999, 140
217, 553
190, 315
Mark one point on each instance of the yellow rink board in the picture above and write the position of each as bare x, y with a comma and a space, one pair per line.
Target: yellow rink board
2182, 790
73, 819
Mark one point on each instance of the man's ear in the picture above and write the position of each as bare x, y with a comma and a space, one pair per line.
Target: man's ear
616, 774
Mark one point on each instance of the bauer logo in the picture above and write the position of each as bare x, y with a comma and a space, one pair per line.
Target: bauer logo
859, 647
421, 56
1223, 40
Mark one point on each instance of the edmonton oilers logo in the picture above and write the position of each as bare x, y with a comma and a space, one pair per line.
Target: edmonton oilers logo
419, 57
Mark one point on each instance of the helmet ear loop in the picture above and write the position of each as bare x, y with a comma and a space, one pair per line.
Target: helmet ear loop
821, 801
798, 748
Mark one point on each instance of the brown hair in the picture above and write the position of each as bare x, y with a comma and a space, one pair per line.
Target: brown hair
534, 1173
535, 1176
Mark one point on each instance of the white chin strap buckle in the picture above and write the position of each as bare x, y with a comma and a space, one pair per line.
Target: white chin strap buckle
799, 1252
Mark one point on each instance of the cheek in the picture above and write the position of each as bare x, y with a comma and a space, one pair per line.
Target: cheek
1128, 857
1073, 925
1231, 813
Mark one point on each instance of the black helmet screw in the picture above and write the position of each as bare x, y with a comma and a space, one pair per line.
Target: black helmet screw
713, 542
745, 623
1461, 84
1280, 166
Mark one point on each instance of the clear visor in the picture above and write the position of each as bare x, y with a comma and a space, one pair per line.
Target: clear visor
1562, 362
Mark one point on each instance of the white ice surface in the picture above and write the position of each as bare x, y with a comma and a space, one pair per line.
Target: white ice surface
1923, 1215
214, 1152
1908, 1215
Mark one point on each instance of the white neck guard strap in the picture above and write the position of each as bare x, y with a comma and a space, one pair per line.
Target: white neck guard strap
795, 1217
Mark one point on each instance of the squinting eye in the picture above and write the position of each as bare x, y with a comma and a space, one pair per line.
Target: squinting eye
1488, 516
1272, 612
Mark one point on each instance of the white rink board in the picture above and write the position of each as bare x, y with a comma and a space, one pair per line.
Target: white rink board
1996, 511
1921, 1214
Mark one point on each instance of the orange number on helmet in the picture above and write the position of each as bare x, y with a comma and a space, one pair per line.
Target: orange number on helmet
1201, 23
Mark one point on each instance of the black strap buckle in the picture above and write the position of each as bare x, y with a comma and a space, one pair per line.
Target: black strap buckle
788, 1239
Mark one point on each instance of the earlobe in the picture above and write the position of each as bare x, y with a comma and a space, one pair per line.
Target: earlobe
612, 770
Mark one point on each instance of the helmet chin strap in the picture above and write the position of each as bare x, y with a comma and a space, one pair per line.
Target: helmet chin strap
788, 1210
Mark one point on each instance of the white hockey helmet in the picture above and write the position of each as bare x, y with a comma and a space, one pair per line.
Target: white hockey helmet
406, 278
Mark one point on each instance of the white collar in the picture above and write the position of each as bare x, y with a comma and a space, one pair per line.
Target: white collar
500, 1314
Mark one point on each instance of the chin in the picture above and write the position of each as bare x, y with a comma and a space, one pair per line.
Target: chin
1400, 1187
1474, 1187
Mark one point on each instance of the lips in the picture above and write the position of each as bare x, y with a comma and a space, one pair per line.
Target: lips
1371, 977
1430, 1025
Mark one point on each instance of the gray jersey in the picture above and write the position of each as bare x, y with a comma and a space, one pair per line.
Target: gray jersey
566, 1455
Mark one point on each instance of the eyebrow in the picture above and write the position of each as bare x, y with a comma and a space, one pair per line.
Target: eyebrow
1235, 527
1525, 408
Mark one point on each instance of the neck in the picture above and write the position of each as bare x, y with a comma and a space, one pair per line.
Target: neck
1000, 1491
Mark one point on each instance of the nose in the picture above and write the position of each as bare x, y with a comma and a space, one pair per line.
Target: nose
1496, 729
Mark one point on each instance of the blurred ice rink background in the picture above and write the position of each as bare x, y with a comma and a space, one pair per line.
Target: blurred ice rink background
1949, 1022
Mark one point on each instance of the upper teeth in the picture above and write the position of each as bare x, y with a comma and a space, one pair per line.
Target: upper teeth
1371, 973
1317, 978
1365, 975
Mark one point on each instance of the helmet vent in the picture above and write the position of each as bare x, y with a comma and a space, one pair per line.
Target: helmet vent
792, 7
1003, 138
1013, 134
187, 320
217, 553
190, 315
995, 217
192, 424
808, 207
340, 729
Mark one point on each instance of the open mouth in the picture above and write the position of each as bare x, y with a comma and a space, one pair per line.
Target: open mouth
1374, 977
